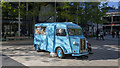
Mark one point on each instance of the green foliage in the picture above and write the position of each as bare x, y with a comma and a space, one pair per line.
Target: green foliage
64, 12
84, 11
67, 11
98, 13
11, 10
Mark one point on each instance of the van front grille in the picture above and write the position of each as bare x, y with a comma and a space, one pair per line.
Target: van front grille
82, 45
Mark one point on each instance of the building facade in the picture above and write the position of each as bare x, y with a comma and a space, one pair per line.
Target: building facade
113, 20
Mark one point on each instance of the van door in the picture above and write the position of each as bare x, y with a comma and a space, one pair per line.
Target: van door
50, 38
63, 40
43, 37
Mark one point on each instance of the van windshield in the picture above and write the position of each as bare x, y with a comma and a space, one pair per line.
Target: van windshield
72, 32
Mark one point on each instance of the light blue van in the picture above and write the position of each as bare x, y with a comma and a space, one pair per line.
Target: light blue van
60, 38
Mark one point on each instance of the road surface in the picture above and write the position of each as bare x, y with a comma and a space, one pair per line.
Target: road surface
21, 53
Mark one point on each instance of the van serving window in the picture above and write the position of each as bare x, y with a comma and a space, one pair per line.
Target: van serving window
40, 30
60, 32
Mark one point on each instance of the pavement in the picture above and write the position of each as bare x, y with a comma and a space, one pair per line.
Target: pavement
21, 53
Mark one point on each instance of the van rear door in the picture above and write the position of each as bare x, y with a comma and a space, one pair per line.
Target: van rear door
40, 36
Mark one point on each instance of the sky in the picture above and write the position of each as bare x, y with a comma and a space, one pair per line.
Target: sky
113, 4
113, 0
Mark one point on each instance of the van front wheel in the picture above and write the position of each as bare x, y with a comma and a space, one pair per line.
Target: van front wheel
60, 53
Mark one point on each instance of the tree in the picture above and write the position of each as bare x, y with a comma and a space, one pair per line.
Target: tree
77, 12
93, 12
86, 14
10, 9
69, 11
98, 13
34, 11
64, 11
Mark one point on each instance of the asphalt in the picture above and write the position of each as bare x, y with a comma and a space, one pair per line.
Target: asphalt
21, 53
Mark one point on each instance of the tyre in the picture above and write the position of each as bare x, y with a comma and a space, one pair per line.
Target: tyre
37, 48
60, 53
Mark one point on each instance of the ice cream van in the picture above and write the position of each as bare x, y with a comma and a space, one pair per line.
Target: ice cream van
60, 38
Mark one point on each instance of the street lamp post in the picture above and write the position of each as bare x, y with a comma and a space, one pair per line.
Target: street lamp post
55, 11
19, 20
77, 14
27, 17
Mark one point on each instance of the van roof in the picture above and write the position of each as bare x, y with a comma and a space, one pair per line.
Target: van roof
59, 24
55, 23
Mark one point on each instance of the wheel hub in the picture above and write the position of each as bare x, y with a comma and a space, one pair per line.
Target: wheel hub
59, 53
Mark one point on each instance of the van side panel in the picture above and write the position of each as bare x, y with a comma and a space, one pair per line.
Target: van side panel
64, 43
43, 42
36, 39
50, 38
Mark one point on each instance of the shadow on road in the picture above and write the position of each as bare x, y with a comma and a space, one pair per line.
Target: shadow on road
7, 61
18, 43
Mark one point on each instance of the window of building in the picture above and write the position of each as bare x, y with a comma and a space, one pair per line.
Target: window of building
40, 30
60, 32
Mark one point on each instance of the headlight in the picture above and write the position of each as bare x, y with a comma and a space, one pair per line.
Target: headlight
74, 42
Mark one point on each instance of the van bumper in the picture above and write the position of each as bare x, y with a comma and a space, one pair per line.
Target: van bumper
80, 54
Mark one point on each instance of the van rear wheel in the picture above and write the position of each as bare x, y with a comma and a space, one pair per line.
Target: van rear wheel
60, 53
37, 48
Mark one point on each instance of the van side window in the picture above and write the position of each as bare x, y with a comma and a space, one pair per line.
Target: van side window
40, 30
60, 32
